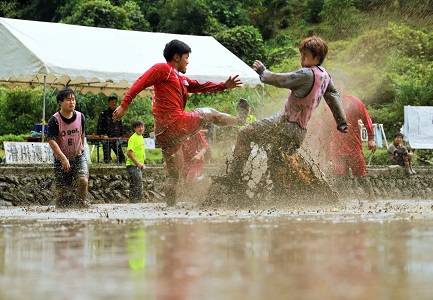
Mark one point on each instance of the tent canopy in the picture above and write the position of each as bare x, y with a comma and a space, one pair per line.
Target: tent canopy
101, 60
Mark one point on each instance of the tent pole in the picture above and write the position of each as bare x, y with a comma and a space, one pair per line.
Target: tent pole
43, 111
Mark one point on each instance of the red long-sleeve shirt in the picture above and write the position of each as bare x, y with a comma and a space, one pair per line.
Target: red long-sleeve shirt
170, 92
350, 143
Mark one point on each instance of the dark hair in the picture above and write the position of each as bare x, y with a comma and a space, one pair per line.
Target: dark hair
137, 123
316, 46
64, 93
398, 134
112, 98
175, 47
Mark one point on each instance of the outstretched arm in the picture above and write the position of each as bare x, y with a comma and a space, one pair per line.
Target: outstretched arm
233, 82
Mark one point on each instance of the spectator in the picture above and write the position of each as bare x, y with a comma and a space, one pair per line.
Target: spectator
135, 162
112, 129
400, 155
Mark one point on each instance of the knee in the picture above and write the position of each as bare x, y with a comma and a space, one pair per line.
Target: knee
82, 182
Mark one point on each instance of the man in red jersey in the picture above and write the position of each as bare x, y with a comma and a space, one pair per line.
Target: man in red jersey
346, 149
172, 124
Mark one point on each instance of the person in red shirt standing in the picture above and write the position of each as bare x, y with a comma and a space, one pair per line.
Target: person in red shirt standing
172, 124
346, 149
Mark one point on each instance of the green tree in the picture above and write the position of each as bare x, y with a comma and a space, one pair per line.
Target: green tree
341, 18
245, 42
20, 109
99, 13
185, 17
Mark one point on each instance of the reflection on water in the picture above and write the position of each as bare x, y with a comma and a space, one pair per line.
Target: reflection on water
233, 257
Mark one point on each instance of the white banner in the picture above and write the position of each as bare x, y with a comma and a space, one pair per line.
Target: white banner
418, 126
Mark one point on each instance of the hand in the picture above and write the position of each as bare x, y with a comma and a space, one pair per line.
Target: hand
65, 165
234, 82
343, 128
399, 153
196, 158
372, 146
259, 67
119, 113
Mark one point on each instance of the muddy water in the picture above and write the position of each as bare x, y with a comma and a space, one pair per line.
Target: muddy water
361, 250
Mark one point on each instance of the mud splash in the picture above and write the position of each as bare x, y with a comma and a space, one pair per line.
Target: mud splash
269, 181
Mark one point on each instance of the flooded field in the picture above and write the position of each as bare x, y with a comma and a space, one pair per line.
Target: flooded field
361, 250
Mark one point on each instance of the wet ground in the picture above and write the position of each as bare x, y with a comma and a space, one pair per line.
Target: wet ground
359, 250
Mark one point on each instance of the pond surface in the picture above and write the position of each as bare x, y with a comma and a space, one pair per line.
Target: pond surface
374, 251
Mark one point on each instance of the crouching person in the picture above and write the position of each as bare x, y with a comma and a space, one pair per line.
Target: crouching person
400, 155
135, 156
66, 138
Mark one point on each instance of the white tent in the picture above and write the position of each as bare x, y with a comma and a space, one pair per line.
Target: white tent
418, 126
101, 60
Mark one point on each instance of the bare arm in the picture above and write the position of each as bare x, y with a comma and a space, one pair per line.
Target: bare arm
60, 155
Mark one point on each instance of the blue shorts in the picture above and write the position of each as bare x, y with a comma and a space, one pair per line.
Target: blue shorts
79, 169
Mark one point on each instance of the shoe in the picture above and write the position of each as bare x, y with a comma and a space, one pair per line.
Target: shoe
243, 111
412, 170
407, 170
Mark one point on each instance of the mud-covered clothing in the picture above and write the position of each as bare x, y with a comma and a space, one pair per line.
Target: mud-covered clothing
398, 154
106, 125
67, 133
286, 130
307, 86
171, 91
191, 147
278, 132
79, 168
346, 149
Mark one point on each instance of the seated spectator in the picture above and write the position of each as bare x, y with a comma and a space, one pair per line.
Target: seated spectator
400, 155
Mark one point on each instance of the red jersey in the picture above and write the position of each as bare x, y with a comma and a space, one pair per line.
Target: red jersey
351, 143
190, 148
170, 93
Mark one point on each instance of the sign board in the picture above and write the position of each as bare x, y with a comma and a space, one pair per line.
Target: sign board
150, 143
28, 153
32, 153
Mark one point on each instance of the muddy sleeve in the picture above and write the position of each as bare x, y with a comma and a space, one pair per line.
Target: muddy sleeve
332, 98
300, 82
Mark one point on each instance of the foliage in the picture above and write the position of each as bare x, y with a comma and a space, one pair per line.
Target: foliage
244, 41
389, 68
194, 17
20, 110
101, 13
341, 17
11, 138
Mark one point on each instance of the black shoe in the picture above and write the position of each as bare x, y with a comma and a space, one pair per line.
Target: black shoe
243, 111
